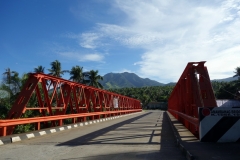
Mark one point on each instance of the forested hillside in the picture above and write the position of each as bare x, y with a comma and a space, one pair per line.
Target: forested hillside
147, 94
222, 90
123, 80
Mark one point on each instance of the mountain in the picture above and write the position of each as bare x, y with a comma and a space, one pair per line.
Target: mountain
122, 80
229, 79
226, 79
171, 84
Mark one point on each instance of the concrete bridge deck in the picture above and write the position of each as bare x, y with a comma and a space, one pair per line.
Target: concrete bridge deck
148, 135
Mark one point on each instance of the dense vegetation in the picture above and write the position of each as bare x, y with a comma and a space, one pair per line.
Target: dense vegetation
226, 90
222, 90
146, 94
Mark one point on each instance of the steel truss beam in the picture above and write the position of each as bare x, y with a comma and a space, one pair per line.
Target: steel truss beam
53, 96
192, 90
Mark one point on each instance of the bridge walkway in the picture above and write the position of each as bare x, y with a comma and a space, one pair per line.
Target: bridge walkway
194, 149
147, 135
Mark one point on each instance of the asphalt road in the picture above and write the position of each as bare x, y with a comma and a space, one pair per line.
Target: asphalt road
144, 136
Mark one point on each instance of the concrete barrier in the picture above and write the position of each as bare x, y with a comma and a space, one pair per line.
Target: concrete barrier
219, 124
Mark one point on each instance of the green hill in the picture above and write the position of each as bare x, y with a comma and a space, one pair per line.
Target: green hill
123, 80
230, 79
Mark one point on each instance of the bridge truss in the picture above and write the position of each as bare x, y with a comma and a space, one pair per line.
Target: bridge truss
55, 99
193, 90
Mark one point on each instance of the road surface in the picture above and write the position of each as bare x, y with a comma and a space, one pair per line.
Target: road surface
143, 136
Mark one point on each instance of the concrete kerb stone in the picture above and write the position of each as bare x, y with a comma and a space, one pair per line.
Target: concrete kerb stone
61, 128
31, 135
53, 130
1, 142
17, 138
20, 137
42, 133
188, 155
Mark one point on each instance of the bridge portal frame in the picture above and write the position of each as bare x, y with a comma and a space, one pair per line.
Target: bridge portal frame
193, 90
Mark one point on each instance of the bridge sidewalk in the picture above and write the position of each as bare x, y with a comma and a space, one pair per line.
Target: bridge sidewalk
194, 149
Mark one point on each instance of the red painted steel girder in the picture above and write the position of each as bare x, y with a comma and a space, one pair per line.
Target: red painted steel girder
56, 96
4, 124
192, 90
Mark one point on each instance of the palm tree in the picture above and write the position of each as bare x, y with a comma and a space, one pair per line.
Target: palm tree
16, 82
94, 78
56, 69
77, 74
24, 79
9, 73
39, 69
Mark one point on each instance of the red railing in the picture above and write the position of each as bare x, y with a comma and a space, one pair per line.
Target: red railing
57, 99
192, 90
4, 124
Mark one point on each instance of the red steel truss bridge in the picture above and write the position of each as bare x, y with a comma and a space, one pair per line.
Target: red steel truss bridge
56, 100
193, 90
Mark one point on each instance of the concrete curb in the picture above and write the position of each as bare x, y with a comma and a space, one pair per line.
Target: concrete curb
188, 155
24, 136
1, 142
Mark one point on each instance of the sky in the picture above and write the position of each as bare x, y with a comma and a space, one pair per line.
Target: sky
152, 38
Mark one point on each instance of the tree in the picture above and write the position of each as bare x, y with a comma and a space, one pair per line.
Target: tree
9, 91
8, 74
39, 69
16, 83
56, 69
94, 78
24, 79
237, 72
76, 74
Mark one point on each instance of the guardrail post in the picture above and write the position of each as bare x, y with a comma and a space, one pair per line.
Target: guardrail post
37, 126
60, 122
73, 120
4, 131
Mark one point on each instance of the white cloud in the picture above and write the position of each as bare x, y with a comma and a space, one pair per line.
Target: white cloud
224, 63
173, 33
190, 33
129, 36
87, 40
92, 57
96, 57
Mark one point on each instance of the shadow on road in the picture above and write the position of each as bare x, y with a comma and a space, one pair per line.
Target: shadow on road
83, 140
155, 126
